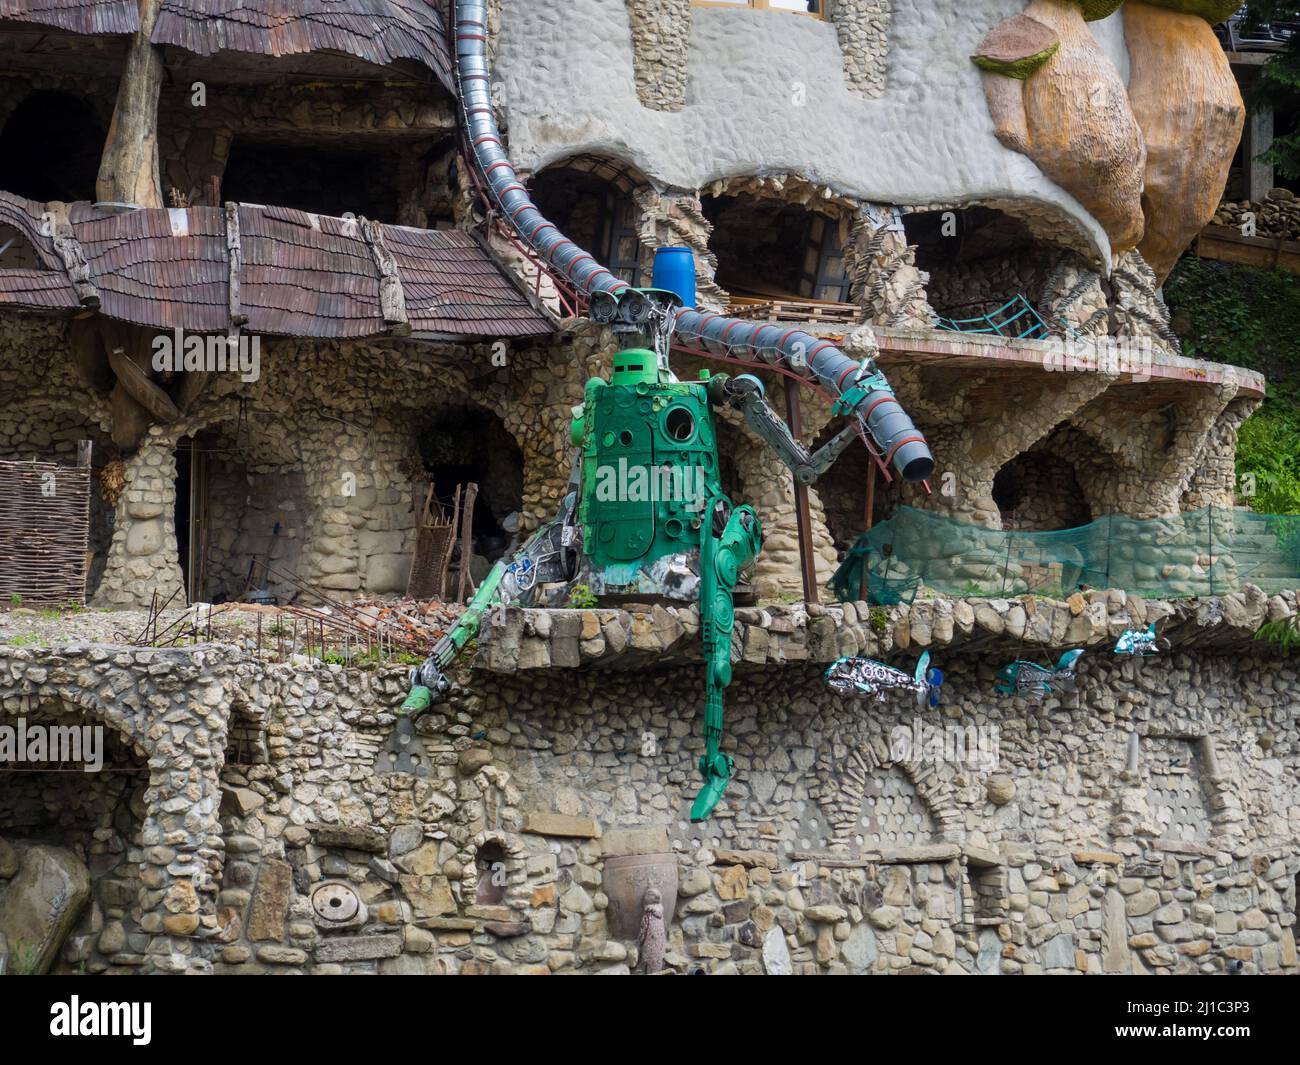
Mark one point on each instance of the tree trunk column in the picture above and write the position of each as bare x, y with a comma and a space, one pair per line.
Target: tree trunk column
129, 171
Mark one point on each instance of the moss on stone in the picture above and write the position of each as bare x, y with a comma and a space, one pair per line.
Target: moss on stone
1019, 69
1093, 10
1210, 10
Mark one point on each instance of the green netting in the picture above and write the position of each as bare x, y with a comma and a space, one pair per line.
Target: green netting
1203, 552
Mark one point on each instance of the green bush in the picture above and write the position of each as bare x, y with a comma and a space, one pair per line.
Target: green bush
1249, 317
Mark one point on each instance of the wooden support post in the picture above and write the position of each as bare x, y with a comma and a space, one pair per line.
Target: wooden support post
870, 519
129, 170
802, 513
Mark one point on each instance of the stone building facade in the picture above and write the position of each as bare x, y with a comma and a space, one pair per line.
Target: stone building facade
986, 836
262, 816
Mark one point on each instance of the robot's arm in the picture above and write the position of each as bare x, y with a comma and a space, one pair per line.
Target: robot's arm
429, 682
746, 394
546, 557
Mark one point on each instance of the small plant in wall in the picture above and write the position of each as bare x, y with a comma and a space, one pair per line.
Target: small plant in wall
582, 598
24, 958
1284, 633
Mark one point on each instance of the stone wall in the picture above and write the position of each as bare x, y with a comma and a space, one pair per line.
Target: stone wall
1143, 824
863, 28
661, 34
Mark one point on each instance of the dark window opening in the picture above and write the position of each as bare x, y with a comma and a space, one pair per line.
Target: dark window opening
316, 180
978, 259
491, 865
595, 214
842, 490
466, 445
1039, 492
50, 148
768, 249
17, 252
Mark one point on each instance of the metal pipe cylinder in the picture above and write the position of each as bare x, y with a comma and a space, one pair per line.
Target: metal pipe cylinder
897, 438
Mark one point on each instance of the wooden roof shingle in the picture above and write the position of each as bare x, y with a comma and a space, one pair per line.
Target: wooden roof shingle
376, 31
75, 16
301, 274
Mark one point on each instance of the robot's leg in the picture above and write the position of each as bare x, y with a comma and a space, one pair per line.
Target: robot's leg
722, 557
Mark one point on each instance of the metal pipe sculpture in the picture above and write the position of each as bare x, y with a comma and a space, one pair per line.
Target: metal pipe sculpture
865, 676
1033, 682
646, 513
1141, 643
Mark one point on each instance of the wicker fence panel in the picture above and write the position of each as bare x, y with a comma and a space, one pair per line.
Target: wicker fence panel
44, 532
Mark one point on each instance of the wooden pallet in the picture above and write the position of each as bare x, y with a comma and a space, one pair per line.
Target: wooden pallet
1228, 245
796, 310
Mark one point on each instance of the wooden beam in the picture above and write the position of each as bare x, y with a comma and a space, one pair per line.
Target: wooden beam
69, 250
129, 170
392, 299
802, 512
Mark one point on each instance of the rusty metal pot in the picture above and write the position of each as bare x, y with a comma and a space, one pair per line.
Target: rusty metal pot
625, 882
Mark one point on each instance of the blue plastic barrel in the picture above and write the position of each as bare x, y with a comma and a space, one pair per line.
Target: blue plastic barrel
674, 270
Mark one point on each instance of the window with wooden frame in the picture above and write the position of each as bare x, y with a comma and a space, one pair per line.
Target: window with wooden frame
815, 8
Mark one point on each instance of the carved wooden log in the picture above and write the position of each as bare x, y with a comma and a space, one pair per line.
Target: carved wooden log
392, 299
1189, 107
136, 401
69, 250
187, 388
129, 171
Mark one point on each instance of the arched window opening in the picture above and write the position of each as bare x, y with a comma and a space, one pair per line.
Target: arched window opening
50, 149
591, 203
768, 249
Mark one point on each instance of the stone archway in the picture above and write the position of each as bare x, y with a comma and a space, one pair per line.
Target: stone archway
854, 782
174, 707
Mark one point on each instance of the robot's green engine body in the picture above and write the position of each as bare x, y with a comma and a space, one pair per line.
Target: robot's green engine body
649, 469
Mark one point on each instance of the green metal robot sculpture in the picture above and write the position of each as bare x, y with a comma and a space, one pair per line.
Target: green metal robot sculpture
647, 515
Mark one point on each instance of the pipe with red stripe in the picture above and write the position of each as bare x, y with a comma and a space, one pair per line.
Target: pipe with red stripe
882, 416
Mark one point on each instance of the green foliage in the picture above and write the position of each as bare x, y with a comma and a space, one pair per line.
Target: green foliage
23, 958
24, 639
879, 621
15, 600
1284, 634
581, 597
1249, 317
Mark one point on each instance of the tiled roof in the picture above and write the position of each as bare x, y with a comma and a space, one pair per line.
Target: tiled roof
300, 274
75, 16
377, 31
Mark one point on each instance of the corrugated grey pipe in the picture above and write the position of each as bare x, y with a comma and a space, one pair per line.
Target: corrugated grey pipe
898, 440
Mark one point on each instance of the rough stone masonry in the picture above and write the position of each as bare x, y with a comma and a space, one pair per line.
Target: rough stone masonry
1141, 825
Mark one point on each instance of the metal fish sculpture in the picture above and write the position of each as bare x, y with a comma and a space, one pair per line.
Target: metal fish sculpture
1032, 681
864, 676
1141, 644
